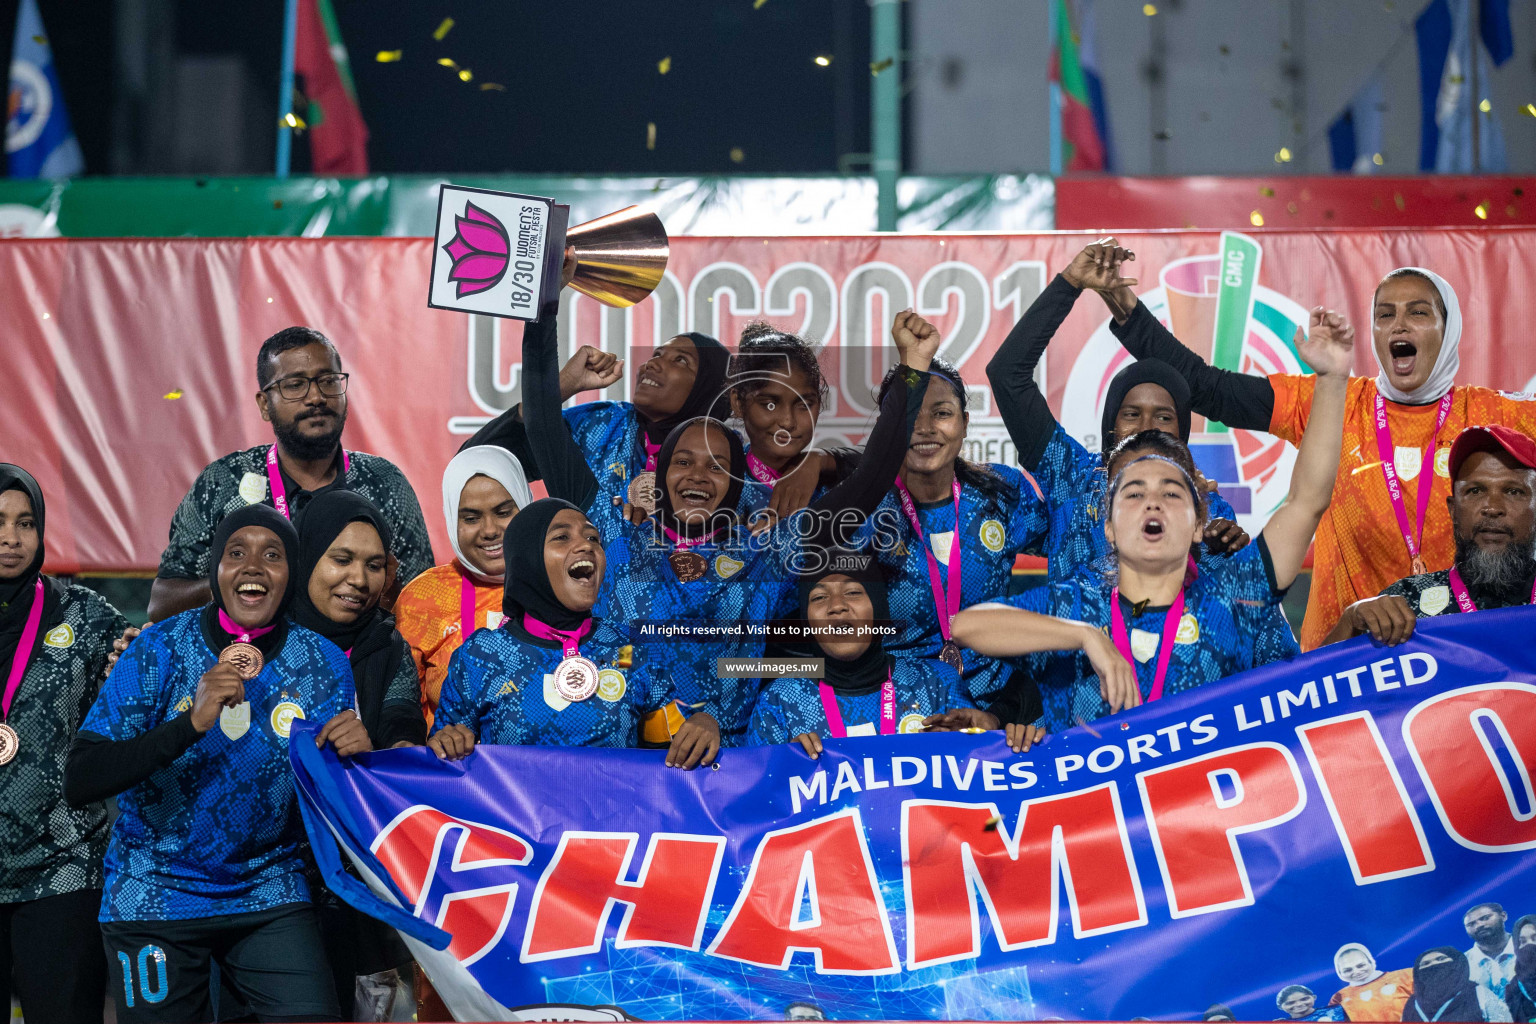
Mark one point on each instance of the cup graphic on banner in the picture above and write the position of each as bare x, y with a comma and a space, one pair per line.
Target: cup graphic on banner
500, 253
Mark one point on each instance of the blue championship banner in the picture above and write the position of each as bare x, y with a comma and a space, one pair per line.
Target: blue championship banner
1296, 835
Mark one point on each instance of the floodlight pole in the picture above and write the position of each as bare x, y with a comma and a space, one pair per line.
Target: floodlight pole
285, 88
885, 106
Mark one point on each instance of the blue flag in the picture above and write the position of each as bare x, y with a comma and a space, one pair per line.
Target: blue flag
1288, 841
1448, 45
39, 143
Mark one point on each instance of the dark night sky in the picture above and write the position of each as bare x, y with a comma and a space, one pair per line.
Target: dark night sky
581, 77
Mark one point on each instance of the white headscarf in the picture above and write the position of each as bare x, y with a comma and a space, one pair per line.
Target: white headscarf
482, 460
1443, 376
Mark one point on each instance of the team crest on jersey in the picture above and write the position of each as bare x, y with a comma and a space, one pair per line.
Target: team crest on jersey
184, 705
726, 566
62, 635
1189, 631
992, 535
611, 684
1434, 600
1443, 463
236, 721
910, 723
253, 488
283, 716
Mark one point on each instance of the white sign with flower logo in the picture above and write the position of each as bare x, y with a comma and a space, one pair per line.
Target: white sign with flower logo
492, 252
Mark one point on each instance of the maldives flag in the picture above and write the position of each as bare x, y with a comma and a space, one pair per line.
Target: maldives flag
1081, 132
338, 138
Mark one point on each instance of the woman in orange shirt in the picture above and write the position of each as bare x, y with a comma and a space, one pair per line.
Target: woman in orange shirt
483, 488
1388, 518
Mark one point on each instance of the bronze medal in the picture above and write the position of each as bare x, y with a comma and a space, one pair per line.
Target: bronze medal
642, 492
10, 743
949, 654
576, 678
689, 565
246, 659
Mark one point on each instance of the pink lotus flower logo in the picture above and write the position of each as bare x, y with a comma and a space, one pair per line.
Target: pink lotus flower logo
479, 251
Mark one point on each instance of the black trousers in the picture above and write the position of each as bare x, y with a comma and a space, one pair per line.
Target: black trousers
273, 960
50, 958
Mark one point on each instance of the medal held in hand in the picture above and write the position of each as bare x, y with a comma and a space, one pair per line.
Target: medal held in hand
10, 743
949, 654
642, 492
245, 658
689, 565
576, 678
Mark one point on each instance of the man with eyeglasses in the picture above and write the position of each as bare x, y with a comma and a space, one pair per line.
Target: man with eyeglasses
303, 394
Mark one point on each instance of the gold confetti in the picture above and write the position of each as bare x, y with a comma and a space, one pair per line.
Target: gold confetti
1485, 106
992, 823
1482, 211
875, 67
40, 40
1266, 192
824, 60
737, 156
650, 135
1149, 9
464, 75
1284, 156
1291, 208
1529, 108
294, 121
448, 62
488, 86
758, 3
173, 394
1511, 210
1377, 159
1225, 50
443, 29
1256, 219
664, 65
1397, 198
388, 56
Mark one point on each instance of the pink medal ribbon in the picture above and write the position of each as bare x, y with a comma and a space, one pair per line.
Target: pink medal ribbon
239, 632
760, 469
835, 727
1464, 600
24, 649
651, 452
570, 640
466, 608
1170, 635
947, 604
1385, 449
275, 479
678, 540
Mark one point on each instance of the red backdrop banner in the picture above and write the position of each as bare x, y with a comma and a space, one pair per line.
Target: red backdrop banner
101, 335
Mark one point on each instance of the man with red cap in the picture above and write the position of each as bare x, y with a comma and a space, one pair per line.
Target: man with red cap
1493, 522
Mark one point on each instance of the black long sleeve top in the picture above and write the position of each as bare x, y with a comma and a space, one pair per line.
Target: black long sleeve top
1012, 372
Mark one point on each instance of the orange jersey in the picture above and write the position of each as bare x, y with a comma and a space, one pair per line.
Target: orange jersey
1359, 550
428, 616
1382, 998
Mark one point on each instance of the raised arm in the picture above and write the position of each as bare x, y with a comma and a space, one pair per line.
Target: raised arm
1330, 350
1003, 631
917, 340
1236, 399
562, 464
1012, 371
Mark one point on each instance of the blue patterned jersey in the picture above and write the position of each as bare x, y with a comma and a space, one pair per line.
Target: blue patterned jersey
1074, 482
747, 580
990, 538
789, 707
502, 688
216, 831
1228, 626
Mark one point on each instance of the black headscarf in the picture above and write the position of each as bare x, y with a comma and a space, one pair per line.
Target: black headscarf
17, 595
1443, 991
268, 518
707, 393
1143, 371
1520, 994
728, 502
867, 672
528, 590
370, 639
